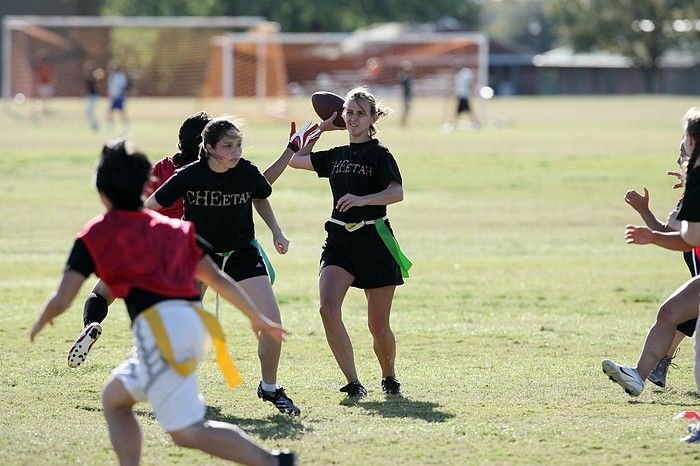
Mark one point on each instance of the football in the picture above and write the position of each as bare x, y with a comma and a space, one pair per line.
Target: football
325, 103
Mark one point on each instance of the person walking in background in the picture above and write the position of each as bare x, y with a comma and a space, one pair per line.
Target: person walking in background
171, 332
91, 75
44, 78
117, 90
406, 82
360, 248
464, 89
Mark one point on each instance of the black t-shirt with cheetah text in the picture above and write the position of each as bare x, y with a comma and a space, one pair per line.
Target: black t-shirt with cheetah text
219, 204
360, 169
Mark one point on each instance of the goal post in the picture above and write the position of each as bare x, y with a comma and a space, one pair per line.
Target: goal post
280, 65
168, 53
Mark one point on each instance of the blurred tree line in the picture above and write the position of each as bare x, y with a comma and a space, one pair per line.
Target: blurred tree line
641, 29
306, 16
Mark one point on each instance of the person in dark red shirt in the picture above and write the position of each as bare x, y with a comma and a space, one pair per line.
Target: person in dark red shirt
152, 261
96, 305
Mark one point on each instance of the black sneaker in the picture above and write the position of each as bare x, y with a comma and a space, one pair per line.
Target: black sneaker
355, 389
391, 385
280, 399
284, 458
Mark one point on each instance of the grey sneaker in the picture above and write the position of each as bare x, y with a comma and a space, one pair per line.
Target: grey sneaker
627, 377
658, 375
693, 434
78, 353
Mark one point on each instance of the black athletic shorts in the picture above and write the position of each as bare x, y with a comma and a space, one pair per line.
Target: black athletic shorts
363, 254
688, 328
463, 105
242, 263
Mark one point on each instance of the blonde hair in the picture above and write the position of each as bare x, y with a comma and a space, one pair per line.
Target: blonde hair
691, 126
363, 93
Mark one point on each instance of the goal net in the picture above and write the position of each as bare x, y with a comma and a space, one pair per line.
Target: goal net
273, 66
163, 56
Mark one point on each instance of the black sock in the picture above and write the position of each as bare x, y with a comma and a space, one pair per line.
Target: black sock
95, 309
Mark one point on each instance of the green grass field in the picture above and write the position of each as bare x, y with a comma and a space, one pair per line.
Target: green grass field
522, 284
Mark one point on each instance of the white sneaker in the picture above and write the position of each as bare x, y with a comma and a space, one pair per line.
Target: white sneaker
78, 353
627, 377
693, 434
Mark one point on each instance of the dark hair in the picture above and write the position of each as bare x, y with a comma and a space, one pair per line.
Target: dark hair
213, 132
121, 175
362, 93
189, 139
692, 128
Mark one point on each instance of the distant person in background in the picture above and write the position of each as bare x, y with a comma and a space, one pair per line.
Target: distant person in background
406, 82
91, 75
43, 80
117, 90
464, 90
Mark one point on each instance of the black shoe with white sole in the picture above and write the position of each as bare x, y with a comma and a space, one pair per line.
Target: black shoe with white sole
78, 353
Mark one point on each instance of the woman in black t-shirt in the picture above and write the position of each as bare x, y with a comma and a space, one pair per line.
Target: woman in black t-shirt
683, 304
219, 191
364, 179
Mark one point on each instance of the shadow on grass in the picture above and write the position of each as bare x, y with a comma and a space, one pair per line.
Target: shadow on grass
138, 412
278, 426
404, 407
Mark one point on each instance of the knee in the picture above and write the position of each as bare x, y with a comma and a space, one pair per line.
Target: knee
329, 311
378, 328
186, 438
115, 398
667, 314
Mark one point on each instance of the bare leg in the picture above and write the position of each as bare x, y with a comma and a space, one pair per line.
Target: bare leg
676, 341
260, 292
225, 441
378, 315
697, 357
333, 285
124, 431
681, 306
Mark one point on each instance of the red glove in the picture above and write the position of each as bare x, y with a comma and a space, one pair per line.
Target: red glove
305, 135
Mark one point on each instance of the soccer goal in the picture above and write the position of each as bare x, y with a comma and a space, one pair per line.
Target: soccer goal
164, 56
273, 66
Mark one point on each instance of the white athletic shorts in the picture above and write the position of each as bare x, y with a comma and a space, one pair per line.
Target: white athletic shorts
176, 400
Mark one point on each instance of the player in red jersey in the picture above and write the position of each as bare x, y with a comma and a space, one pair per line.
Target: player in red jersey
97, 303
152, 261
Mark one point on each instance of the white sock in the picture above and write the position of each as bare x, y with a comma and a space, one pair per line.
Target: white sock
268, 387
